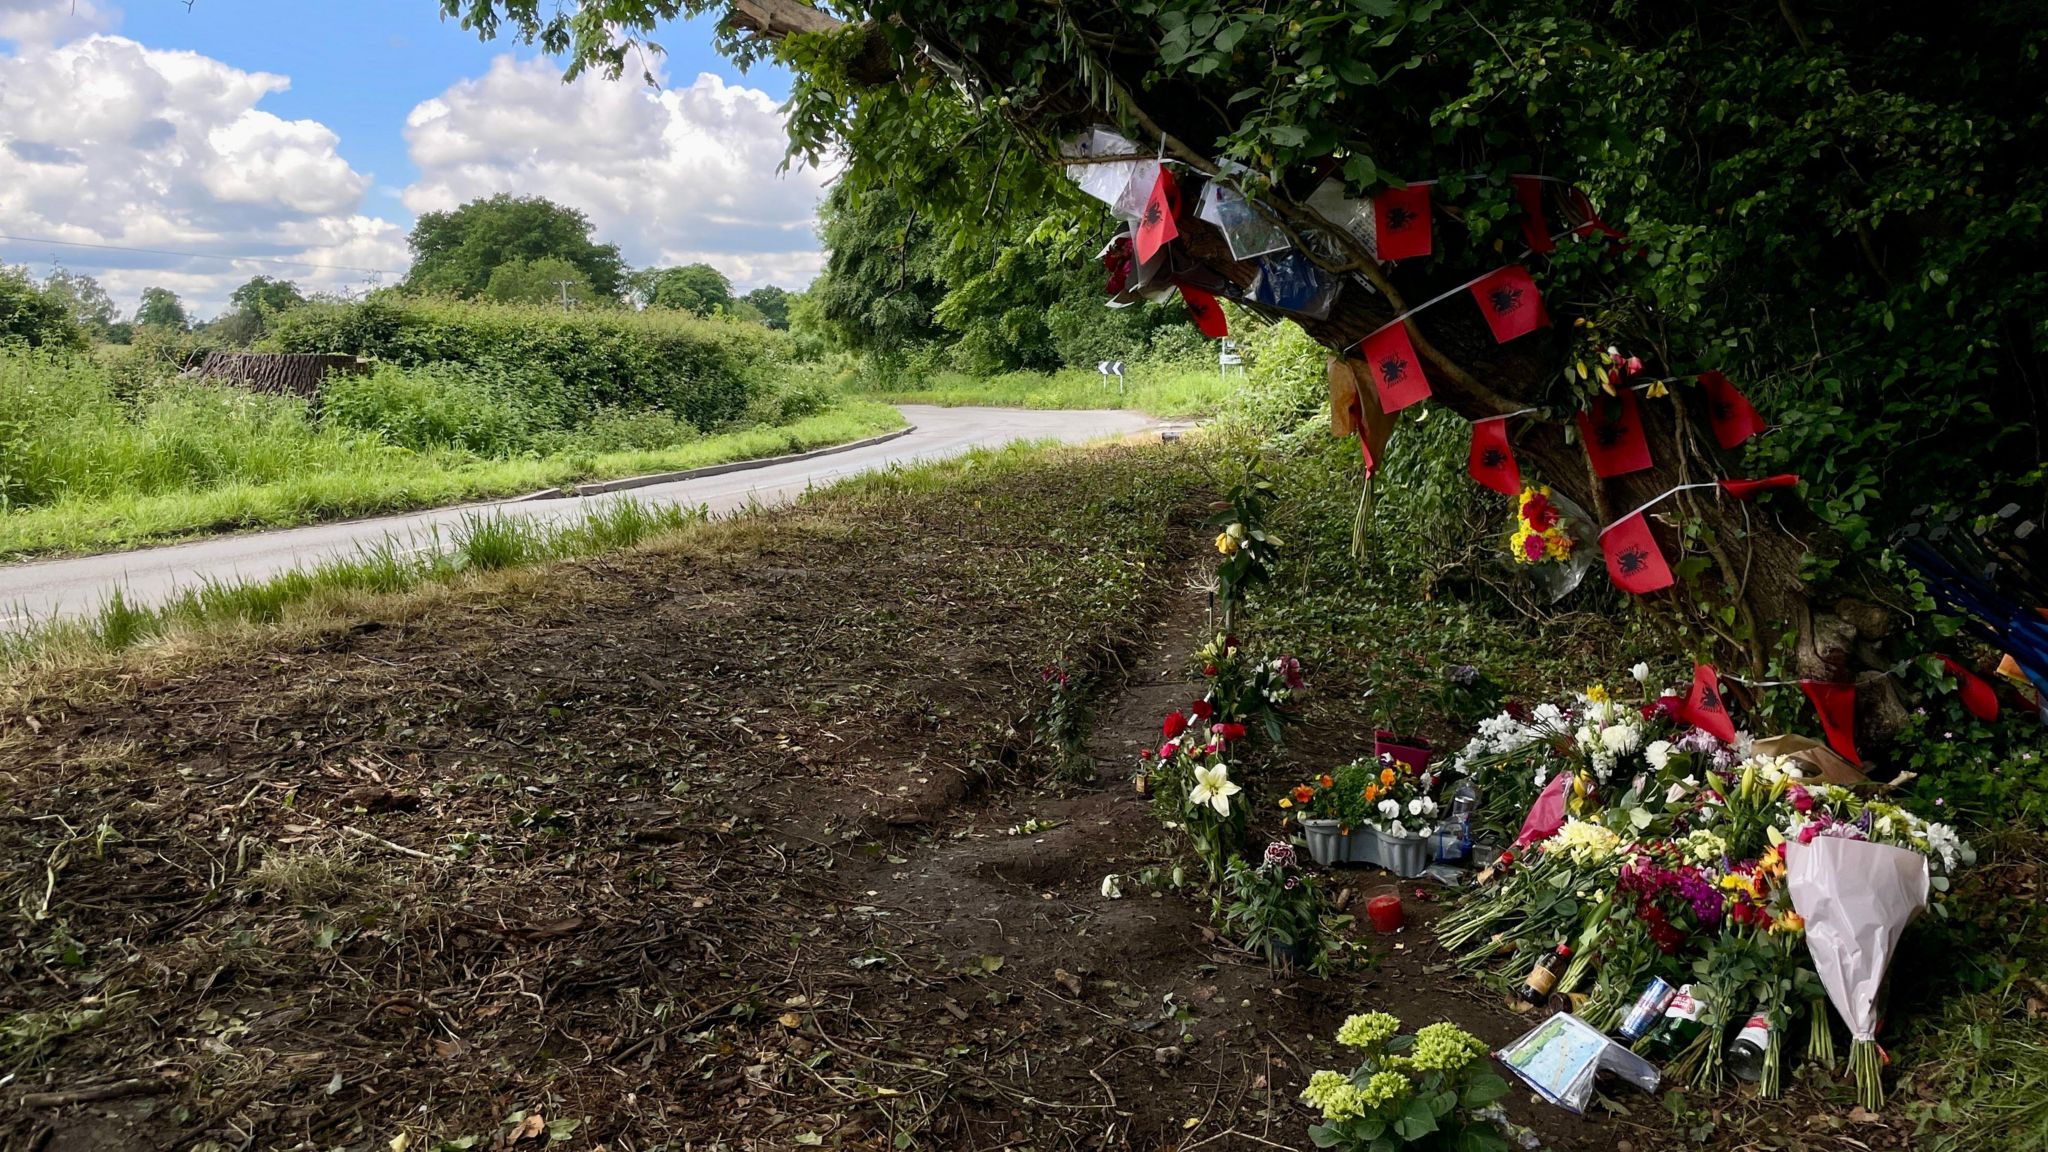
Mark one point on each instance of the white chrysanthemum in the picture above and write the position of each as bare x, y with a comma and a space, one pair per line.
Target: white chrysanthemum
1621, 739
1658, 754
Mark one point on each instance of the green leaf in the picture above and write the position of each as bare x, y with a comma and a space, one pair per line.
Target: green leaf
1324, 1135
1417, 1121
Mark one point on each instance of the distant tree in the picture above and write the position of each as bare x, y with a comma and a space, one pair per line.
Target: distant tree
32, 315
161, 308
253, 305
773, 303
538, 282
90, 306
455, 253
698, 288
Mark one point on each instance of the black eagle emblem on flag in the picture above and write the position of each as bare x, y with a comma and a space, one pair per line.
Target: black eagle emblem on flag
1393, 369
1634, 560
1710, 700
1505, 300
1608, 434
1152, 215
1493, 459
1723, 411
1399, 218
1197, 310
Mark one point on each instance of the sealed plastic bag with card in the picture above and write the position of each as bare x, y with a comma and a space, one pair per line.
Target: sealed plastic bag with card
1560, 1058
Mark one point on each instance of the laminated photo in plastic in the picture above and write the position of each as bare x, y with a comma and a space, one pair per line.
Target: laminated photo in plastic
1561, 1057
1107, 182
1340, 210
1248, 231
1293, 283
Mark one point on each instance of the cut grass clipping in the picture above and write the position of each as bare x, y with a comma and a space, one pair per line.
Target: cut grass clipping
482, 542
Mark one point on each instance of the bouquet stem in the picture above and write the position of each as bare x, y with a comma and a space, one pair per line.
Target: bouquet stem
1773, 1085
1820, 1039
1869, 1068
1699, 1064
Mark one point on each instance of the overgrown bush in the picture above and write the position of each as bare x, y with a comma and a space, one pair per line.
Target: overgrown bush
439, 406
564, 366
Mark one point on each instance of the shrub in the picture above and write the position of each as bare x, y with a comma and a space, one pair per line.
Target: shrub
440, 406
704, 370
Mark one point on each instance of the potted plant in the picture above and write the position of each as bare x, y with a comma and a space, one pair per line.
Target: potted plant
1332, 812
1432, 1089
1402, 811
1275, 909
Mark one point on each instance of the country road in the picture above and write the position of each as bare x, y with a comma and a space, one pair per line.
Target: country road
50, 588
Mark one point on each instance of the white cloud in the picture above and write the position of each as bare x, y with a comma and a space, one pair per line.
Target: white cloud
105, 141
672, 176
51, 21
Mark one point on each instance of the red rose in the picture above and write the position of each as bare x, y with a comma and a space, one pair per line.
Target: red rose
1228, 732
1175, 725
1202, 710
1208, 669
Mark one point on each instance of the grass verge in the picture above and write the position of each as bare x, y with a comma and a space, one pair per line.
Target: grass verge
483, 542
395, 480
1157, 393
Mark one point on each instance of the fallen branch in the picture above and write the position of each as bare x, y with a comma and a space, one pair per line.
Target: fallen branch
383, 843
117, 1090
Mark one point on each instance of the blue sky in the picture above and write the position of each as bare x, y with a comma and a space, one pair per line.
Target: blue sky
111, 134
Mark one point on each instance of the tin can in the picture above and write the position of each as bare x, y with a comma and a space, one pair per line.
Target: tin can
1648, 1009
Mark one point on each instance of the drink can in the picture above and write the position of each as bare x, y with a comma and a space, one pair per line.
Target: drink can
1648, 1008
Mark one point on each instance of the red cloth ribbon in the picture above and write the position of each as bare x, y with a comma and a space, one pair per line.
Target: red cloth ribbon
1744, 489
1836, 704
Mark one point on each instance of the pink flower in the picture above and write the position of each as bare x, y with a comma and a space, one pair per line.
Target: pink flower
1802, 800
1532, 547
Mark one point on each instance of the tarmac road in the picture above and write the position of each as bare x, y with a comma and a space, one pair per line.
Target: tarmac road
49, 588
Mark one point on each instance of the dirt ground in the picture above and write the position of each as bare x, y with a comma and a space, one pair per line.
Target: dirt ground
739, 843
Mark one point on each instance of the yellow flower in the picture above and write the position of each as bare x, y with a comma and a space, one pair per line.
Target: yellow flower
1597, 693
1286, 803
1789, 923
1225, 544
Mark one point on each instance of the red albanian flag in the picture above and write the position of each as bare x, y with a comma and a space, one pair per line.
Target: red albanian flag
1733, 418
1396, 370
1612, 430
1704, 706
1205, 312
1512, 306
1593, 222
1836, 704
1977, 695
1157, 226
1493, 459
1744, 489
1401, 225
1633, 558
1535, 224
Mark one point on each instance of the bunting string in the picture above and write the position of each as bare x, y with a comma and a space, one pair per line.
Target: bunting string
1429, 303
1656, 500
1506, 415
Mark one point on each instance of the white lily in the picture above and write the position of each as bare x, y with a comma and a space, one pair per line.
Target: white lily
1213, 787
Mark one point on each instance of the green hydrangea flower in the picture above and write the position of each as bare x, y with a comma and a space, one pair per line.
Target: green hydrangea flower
1321, 1085
1369, 1030
1383, 1090
1444, 1048
1345, 1102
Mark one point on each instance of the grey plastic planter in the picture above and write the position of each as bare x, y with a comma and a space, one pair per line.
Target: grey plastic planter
1363, 846
1406, 856
1326, 841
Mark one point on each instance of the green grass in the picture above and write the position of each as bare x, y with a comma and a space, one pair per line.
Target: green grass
376, 478
483, 542
1156, 392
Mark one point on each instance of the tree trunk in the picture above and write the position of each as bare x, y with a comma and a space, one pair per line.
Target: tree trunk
277, 373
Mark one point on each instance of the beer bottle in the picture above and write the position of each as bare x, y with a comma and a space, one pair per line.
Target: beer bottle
1543, 977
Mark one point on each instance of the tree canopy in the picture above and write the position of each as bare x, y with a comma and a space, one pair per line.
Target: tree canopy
88, 303
772, 303
697, 288
1840, 205
33, 315
455, 253
161, 308
548, 280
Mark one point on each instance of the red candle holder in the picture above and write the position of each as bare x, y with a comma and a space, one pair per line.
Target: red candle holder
1386, 913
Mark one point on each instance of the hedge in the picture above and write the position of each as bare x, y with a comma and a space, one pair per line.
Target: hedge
573, 364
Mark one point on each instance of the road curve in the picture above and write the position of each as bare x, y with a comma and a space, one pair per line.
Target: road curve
53, 588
